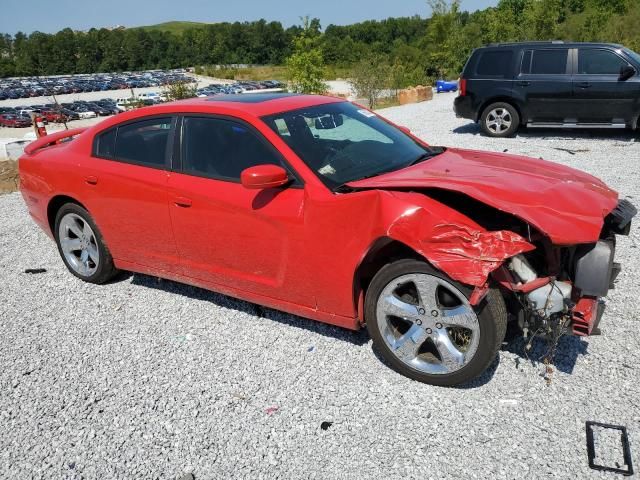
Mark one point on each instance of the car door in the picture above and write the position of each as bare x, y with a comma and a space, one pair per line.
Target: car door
544, 85
599, 94
125, 189
249, 240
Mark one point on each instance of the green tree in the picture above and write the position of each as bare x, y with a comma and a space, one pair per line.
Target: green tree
370, 77
305, 66
7, 63
443, 43
180, 90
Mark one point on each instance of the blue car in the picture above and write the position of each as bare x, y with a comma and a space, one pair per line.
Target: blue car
445, 86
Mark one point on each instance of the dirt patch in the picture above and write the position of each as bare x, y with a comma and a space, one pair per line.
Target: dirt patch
8, 176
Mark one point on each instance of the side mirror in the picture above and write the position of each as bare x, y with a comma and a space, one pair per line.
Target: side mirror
626, 73
264, 176
404, 129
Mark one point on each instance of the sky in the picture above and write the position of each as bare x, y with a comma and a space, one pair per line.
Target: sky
53, 15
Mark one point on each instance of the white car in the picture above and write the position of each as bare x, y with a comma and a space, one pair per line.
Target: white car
87, 114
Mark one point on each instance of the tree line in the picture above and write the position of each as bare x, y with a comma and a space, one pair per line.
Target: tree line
412, 50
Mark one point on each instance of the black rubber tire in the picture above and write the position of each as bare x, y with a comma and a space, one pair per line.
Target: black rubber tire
492, 315
515, 122
106, 269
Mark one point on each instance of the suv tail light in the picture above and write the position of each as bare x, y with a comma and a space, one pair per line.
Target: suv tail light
462, 86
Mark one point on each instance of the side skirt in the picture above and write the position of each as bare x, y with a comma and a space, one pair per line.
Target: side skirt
292, 308
575, 125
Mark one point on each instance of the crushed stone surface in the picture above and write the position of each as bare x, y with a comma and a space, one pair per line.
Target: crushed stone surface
144, 378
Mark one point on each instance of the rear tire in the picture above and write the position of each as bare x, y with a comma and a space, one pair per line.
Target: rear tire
500, 120
421, 322
81, 245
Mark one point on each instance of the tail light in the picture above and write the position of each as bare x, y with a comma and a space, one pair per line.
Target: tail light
462, 86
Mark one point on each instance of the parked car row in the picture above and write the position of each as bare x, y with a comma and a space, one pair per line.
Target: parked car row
43, 86
19, 117
238, 87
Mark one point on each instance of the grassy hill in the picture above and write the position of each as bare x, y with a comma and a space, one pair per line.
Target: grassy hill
173, 27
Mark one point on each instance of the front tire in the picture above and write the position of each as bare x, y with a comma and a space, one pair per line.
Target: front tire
81, 245
500, 120
423, 325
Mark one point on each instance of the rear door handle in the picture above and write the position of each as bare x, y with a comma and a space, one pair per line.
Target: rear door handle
584, 85
91, 180
524, 83
183, 202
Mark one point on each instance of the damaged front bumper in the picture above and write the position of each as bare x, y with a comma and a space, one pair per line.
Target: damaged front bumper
571, 297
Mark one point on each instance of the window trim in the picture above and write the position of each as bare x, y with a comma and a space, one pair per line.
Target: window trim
567, 69
178, 149
523, 54
577, 68
168, 149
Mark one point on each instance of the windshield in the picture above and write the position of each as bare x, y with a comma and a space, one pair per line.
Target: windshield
632, 54
341, 142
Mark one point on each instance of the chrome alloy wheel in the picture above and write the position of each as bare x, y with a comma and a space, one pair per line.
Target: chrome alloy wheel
78, 244
428, 323
499, 120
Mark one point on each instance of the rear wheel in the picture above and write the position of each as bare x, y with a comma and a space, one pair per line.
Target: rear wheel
81, 245
500, 120
422, 323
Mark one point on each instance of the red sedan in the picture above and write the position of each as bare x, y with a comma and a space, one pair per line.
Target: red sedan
321, 208
53, 117
15, 121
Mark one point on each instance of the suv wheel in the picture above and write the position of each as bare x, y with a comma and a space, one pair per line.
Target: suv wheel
500, 120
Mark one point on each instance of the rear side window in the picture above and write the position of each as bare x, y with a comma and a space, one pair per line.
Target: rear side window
144, 142
599, 62
494, 63
548, 62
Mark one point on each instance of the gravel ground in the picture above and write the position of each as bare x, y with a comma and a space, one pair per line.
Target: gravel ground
150, 379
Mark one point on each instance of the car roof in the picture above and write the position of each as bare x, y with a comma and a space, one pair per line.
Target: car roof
552, 44
241, 105
256, 104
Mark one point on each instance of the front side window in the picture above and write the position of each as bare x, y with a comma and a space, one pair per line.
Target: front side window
219, 148
342, 143
143, 142
599, 62
549, 62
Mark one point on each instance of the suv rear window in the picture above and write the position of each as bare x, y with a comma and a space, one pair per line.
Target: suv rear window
495, 63
545, 62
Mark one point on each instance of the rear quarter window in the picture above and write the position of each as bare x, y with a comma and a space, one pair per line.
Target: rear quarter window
105, 145
494, 63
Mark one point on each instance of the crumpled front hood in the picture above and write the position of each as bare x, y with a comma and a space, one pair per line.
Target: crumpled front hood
567, 205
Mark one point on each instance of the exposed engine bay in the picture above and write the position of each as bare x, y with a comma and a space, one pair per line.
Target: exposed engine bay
559, 290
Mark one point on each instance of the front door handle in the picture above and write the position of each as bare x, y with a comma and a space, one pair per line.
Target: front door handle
91, 180
524, 83
183, 202
584, 85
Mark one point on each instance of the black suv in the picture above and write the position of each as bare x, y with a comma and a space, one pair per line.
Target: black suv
550, 84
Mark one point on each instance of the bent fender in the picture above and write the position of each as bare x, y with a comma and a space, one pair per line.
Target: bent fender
456, 245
